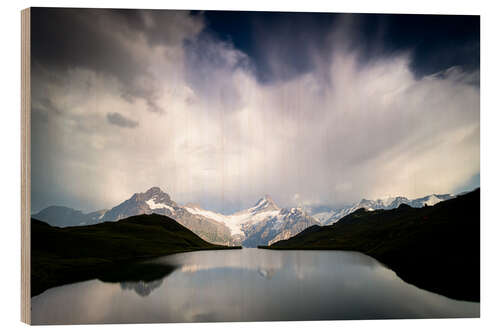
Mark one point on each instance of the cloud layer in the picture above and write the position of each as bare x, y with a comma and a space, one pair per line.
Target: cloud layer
117, 119
125, 100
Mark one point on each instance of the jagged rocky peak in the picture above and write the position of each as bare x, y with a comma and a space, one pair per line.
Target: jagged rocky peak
155, 190
156, 194
266, 203
144, 202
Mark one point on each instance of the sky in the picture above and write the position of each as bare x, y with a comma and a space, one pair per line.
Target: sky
220, 108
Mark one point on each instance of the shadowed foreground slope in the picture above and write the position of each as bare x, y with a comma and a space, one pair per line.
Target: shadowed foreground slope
435, 248
66, 255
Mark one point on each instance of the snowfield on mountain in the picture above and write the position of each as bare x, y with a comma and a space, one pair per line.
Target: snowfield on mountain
262, 224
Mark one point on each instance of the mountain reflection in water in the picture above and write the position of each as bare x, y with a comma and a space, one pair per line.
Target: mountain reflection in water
245, 285
142, 288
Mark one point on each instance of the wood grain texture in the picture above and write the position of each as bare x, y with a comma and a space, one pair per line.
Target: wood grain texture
25, 165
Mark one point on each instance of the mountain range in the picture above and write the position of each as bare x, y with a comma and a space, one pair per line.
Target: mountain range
152, 201
262, 224
329, 216
435, 247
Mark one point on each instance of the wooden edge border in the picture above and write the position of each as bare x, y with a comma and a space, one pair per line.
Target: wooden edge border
25, 165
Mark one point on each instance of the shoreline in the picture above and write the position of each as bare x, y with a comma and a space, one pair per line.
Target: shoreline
81, 273
67, 255
417, 281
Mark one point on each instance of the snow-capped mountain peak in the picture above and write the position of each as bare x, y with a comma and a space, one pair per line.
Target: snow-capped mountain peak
155, 190
156, 196
265, 208
332, 216
384, 203
153, 200
431, 200
262, 223
266, 203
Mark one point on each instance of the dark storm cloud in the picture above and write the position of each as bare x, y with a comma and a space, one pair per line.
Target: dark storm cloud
437, 42
65, 39
284, 45
206, 59
95, 39
117, 119
289, 37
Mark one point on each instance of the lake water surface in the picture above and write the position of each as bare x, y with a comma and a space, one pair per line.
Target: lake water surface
250, 285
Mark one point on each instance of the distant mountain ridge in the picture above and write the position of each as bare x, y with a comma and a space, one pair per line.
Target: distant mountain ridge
60, 216
331, 216
262, 224
153, 201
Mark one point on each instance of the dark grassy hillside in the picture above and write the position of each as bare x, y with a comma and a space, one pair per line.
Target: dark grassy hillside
436, 248
64, 255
